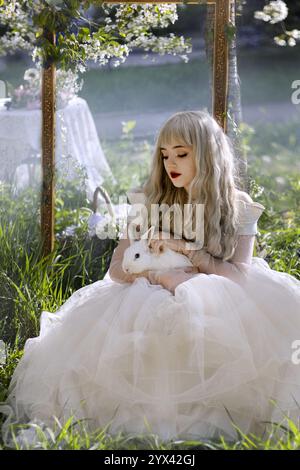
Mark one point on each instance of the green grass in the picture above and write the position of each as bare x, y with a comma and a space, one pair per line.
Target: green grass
74, 435
147, 88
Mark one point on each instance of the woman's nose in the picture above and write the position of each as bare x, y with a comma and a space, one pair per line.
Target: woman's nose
172, 162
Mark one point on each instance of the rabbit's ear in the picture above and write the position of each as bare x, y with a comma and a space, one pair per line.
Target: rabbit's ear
129, 234
151, 235
131, 231
148, 235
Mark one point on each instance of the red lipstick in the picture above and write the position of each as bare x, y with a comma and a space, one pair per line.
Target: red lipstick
174, 174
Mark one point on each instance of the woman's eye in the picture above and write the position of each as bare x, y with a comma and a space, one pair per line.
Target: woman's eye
183, 155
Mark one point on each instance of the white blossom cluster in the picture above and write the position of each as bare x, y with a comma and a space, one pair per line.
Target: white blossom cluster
11, 11
135, 22
275, 12
289, 38
68, 86
14, 41
20, 34
165, 44
132, 27
100, 54
16, 11
138, 17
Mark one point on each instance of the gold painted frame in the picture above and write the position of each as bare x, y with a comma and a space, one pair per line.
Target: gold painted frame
224, 15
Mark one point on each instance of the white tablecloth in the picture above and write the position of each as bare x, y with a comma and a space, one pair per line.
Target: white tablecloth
76, 141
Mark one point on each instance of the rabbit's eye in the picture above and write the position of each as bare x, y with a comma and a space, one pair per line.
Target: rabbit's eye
137, 255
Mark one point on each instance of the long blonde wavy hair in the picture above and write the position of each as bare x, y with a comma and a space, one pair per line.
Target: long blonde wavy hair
213, 184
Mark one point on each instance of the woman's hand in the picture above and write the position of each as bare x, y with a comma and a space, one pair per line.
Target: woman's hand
142, 274
171, 278
159, 245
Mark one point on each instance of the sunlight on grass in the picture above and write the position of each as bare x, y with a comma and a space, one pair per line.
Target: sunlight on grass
74, 435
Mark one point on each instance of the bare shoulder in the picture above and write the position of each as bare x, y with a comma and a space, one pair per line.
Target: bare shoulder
244, 196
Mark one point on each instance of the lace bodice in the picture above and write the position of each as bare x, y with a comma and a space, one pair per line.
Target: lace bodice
249, 212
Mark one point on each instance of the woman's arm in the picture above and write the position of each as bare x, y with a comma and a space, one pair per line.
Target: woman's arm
208, 264
116, 272
232, 269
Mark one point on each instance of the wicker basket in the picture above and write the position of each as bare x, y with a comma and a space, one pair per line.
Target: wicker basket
99, 251
104, 193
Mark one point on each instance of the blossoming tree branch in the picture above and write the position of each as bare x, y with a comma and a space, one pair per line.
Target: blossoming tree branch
79, 38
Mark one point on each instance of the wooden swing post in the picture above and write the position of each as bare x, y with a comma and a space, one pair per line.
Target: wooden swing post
48, 153
224, 16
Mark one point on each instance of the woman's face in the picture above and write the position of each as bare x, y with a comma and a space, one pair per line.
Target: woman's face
179, 163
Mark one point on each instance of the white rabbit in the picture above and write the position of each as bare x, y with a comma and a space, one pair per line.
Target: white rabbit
138, 257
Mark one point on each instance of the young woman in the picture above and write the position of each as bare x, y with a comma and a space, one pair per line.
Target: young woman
183, 353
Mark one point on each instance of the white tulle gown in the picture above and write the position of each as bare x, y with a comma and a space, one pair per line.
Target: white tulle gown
135, 358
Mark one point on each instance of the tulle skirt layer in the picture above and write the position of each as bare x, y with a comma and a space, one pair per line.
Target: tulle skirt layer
137, 359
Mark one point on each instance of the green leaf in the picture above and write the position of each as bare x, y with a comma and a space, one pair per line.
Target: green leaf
74, 4
230, 31
41, 18
84, 30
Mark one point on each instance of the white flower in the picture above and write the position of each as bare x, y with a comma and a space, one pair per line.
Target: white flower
274, 12
260, 15
31, 74
81, 68
70, 230
278, 11
94, 219
295, 33
279, 41
291, 42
